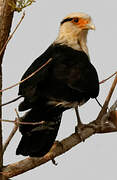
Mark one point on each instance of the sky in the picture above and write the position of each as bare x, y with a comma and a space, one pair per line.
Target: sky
96, 157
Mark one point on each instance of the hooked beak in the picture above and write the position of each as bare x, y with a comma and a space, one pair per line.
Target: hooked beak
86, 24
90, 26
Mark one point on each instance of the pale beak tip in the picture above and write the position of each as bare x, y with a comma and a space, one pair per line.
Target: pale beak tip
93, 27
90, 26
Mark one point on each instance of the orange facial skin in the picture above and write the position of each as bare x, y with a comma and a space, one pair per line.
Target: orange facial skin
81, 22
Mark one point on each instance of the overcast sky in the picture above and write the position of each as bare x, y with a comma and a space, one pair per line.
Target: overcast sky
96, 158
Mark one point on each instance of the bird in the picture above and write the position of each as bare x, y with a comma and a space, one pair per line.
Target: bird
68, 81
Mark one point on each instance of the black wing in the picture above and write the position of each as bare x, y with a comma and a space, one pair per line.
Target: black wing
69, 70
87, 79
28, 87
75, 70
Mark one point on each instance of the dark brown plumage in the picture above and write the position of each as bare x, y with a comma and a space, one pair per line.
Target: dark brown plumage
67, 81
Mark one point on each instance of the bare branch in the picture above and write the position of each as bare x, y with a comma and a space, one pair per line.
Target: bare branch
4, 104
12, 132
105, 106
21, 122
18, 117
10, 137
6, 120
103, 81
111, 90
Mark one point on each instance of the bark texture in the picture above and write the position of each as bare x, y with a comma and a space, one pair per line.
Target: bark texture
6, 15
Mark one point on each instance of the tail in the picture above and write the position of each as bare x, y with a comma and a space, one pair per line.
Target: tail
37, 140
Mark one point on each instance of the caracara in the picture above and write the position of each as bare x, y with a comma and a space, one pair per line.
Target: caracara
67, 81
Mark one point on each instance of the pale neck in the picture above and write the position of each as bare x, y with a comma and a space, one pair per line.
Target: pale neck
76, 41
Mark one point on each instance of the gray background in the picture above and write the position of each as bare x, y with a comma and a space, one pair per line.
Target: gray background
97, 157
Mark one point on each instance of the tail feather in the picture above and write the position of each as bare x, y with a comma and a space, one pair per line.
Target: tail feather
38, 139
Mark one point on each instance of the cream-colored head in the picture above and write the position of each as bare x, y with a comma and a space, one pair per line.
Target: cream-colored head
73, 31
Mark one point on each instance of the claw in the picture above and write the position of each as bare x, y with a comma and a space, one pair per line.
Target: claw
54, 162
80, 126
57, 143
78, 130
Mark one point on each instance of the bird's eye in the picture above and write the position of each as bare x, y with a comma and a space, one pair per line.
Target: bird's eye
75, 20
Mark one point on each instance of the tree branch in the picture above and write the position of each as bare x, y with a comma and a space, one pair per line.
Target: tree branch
103, 81
17, 122
57, 149
105, 106
10, 137
5, 24
105, 122
12, 133
3, 178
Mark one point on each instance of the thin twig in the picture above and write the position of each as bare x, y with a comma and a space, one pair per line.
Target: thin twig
27, 77
10, 137
21, 122
103, 81
12, 132
111, 91
105, 106
112, 109
9, 121
9, 38
18, 117
4, 104
31, 123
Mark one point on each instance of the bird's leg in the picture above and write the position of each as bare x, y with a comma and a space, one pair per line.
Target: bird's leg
57, 143
80, 125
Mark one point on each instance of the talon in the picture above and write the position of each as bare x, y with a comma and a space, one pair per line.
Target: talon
80, 126
54, 162
78, 131
93, 126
